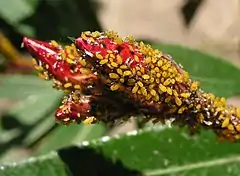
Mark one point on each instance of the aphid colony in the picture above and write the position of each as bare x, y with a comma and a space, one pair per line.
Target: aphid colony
109, 79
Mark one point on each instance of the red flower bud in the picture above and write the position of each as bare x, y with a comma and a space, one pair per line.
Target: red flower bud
64, 65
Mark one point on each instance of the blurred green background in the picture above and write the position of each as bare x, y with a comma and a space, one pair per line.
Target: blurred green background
27, 103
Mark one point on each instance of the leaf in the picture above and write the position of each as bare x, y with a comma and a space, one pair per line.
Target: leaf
14, 11
19, 87
156, 151
37, 166
37, 97
69, 135
40, 130
215, 74
37, 102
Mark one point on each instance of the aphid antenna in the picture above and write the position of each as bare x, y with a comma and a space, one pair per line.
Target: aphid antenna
72, 39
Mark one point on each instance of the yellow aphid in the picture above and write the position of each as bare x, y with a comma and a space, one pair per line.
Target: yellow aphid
130, 48
230, 127
96, 34
148, 60
34, 61
39, 68
156, 69
66, 119
238, 127
154, 59
153, 92
131, 81
115, 86
67, 85
140, 84
194, 86
198, 106
225, 123
139, 92
54, 43
169, 90
142, 70
162, 88
144, 91
113, 76
178, 101
107, 56
185, 95
104, 61
139, 73
167, 82
88, 32
91, 40
127, 73
238, 112
83, 62
181, 110
112, 56
119, 71
83, 36
145, 76
77, 86
89, 120
173, 81
136, 58
135, 89
119, 59
114, 64
99, 56
160, 63
201, 117
122, 80
124, 67
152, 80
156, 97
164, 74
223, 100
148, 97
175, 93
43, 76
85, 71
151, 86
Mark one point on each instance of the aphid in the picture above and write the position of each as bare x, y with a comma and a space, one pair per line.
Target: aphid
136, 76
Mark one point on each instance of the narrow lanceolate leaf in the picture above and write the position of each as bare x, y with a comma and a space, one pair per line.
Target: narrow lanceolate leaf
35, 97
152, 152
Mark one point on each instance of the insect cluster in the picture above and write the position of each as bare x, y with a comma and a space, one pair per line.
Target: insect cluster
109, 79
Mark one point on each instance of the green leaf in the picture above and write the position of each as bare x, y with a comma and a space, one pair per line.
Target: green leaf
156, 151
49, 165
39, 130
14, 11
37, 97
37, 102
71, 134
19, 87
215, 74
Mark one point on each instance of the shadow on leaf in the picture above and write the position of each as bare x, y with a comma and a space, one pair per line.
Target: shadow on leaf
88, 162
